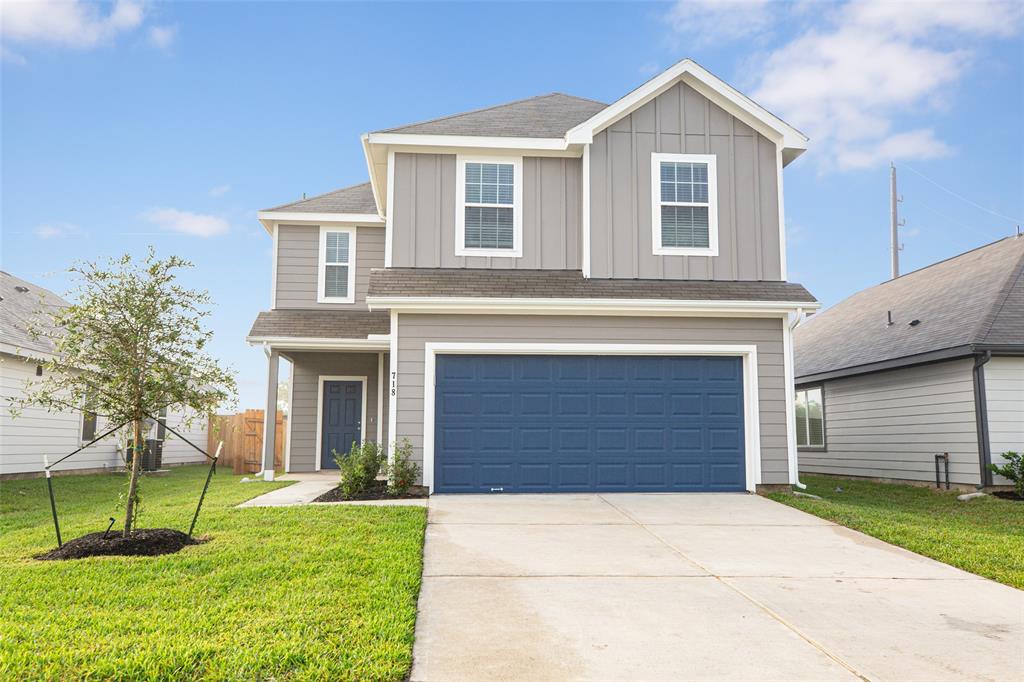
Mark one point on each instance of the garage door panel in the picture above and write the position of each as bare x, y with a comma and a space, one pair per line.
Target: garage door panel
579, 423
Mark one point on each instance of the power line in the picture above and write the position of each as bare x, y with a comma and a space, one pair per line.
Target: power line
961, 197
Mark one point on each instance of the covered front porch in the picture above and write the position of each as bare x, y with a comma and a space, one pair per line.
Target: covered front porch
336, 385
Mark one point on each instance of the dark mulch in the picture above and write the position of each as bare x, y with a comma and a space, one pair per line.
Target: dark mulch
378, 490
1008, 495
144, 542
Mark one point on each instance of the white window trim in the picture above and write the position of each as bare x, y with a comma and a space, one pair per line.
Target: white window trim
320, 410
807, 419
517, 207
751, 406
322, 266
656, 203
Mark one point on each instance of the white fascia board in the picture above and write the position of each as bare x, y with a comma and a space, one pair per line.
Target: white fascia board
470, 141
724, 95
379, 342
378, 191
584, 306
317, 218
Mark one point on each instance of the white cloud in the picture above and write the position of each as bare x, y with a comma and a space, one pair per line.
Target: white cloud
708, 21
68, 23
185, 222
854, 72
219, 190
51, 230
163, 37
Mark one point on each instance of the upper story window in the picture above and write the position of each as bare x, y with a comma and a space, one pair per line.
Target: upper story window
684, 204
337, 273
488, 206
810, 418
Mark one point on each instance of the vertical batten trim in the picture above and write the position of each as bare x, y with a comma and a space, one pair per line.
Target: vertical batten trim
732, 200
273, 267
783, 267
389, 219
585, 209
759, 260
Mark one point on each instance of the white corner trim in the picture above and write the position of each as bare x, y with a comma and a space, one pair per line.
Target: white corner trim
392, 387
787, 359
585, 213
317, 218
584, 306
469, 141
380, 398
273, 269
709, 85
320, 410
783, 266
389, 225
751, 407
322, 266
517, 206
712, 204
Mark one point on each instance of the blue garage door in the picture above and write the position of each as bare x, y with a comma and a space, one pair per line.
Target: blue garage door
528, 423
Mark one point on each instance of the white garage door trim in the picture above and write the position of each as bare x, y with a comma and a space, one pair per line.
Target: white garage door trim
751, 423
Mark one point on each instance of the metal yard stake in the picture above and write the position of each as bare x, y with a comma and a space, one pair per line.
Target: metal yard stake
53, 503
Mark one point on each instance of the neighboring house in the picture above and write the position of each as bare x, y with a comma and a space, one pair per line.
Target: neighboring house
36, 433
928, 363
553, 294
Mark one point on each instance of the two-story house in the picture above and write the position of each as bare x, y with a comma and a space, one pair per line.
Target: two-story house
553, 294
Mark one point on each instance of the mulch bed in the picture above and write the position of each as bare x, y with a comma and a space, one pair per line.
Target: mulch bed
378, 490
1008, 495
144, 542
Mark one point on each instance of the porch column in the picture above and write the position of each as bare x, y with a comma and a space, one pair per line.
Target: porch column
270, 417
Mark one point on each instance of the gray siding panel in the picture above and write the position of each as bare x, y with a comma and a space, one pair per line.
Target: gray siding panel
891, 424
620, 199
298, 257
416, 330
308, 368
424, 214
1004, 398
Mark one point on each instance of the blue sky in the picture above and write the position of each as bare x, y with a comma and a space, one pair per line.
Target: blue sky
171, 124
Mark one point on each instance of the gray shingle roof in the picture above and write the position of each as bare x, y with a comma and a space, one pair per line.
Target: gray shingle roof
320, 324
976, 298
19, 309
418, 282
353, 199
542, 116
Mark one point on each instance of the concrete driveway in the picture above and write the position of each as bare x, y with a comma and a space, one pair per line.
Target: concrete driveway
723, 587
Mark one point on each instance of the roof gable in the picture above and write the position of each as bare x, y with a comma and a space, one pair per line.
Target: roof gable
975, 298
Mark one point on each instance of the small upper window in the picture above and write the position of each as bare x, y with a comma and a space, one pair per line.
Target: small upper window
684, 210
88, 426
488, 219
337, 274
810, 418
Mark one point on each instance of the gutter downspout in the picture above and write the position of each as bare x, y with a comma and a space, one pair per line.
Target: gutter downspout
981, 417
791, 387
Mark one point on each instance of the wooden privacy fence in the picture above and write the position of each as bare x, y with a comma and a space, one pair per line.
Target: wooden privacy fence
243, 440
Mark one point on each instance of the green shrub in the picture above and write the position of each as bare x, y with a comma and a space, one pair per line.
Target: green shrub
402, 472
1013, 470
359, 467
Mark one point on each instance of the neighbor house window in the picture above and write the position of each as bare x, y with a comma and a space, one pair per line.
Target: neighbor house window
488, 220
810, 418
684, 204
88, 426
336, 283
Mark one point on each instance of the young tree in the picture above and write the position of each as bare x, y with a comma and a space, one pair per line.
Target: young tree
132, 343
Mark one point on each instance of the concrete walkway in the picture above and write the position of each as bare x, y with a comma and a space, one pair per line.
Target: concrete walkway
307, 488
710, 587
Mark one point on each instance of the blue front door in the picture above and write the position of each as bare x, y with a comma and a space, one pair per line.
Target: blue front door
530, 423
342, 420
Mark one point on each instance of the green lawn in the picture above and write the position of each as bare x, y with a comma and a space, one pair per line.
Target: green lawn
284, 594
983, 536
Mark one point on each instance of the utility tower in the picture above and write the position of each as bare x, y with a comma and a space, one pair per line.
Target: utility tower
894, 222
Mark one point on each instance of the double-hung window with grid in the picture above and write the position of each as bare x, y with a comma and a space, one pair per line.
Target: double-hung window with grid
489, 207
684, 210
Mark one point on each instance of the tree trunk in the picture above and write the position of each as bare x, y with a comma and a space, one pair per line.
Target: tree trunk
133, 485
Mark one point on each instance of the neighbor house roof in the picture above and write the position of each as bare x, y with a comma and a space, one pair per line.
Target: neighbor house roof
974, 301
549, 115
319, 324
25, 305
352, 199
563, 284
